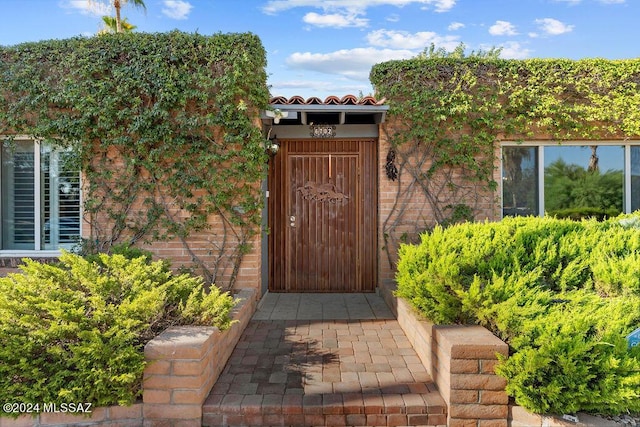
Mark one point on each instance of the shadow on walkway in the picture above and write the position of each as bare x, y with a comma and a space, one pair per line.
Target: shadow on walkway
324, 359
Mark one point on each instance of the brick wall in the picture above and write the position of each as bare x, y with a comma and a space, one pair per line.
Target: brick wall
216, 247
184, 364
200, 245
120, 416
461, 361
10, 264
404, 211
464, 358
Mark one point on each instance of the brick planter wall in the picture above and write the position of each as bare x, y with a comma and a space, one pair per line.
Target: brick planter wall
461, 361
464, 358
520, 417
184, 363
121, 416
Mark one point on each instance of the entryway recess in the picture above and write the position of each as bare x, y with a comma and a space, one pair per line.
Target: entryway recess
323, 216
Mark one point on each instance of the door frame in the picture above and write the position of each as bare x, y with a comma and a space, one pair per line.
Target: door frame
366, 241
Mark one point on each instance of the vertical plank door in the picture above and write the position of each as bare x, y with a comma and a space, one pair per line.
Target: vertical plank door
322, 240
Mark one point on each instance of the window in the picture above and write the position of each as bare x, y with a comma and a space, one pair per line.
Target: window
635, 177
40, 203
520, 181
570, 178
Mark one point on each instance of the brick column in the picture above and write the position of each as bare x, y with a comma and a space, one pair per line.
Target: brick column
183, 365
464, 358
179, 376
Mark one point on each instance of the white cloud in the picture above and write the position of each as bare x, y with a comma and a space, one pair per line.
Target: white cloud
176, 9
571, 2
442, 5
612, 1
355, 64
393, 18
318, 87
348, 13
455, 26
503, 28
405, 40
334, 20
553, 27
93, 8
301, 84
351, 63
513, 50
275, 6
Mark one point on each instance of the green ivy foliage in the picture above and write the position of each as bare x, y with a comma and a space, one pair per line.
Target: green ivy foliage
447, 112
563, 99
563, 295
75, 331
164, 124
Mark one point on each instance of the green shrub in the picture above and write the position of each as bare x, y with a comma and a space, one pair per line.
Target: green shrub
586, 212
75, 332
562, 294
208, 308
89, 251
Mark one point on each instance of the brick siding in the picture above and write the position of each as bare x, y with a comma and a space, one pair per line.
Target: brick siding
417, 213
215, 247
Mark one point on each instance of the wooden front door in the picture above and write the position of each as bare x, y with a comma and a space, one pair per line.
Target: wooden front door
322, 210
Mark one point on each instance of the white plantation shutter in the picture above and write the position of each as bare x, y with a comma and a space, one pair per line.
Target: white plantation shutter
40, 198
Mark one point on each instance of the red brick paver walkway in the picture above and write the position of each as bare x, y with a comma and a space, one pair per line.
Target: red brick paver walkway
355, 372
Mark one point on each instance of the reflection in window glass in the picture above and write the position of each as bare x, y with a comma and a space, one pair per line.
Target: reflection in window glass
18, 199
519, 181
583, 180
60, 186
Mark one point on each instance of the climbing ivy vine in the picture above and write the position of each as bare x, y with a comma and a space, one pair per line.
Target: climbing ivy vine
166, 132
447, 114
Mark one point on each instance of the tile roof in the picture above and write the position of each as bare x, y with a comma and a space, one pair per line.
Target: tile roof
330, 100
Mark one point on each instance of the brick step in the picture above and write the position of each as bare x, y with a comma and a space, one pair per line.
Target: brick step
420, 406
330, 372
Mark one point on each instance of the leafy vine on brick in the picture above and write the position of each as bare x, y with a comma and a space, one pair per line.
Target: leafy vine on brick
448, 112
165, 125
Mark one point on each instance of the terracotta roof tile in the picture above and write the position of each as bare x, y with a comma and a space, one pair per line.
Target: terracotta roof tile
349, 100
370, 100
330, 100
296, 100
279, 100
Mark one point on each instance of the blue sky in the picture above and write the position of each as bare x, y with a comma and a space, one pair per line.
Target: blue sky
327, 47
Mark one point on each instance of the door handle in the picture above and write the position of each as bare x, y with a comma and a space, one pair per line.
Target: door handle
292, 220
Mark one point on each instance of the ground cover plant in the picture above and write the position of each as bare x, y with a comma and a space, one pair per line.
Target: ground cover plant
563, 294
75, 331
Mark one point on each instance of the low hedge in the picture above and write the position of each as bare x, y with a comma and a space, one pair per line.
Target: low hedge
563, 294
584, 213
75, 331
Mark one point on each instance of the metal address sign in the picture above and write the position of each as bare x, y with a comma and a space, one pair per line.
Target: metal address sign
323, 131
634, 338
